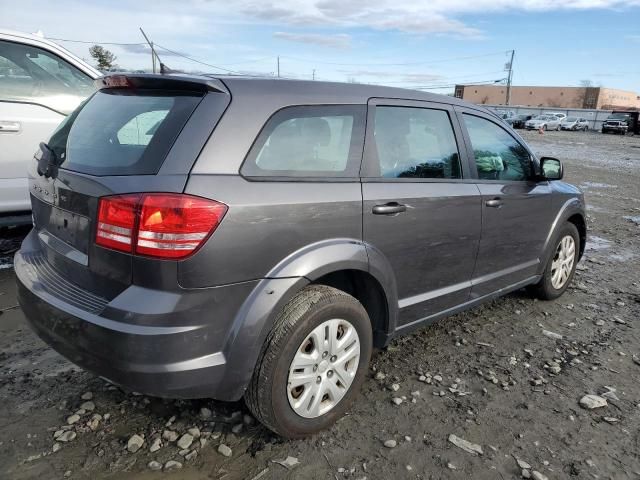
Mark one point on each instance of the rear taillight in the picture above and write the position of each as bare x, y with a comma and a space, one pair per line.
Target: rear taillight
117, 221
161, 225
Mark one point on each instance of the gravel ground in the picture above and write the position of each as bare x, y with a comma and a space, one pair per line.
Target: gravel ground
485, 394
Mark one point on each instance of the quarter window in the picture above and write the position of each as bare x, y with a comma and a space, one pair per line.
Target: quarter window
498, 155
309, 141
415, 143
30, 74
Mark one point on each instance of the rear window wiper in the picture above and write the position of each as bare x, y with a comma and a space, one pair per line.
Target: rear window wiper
47, 161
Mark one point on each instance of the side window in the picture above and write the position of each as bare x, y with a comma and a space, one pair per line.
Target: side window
498, 155
309, 141
30, 74
415, 143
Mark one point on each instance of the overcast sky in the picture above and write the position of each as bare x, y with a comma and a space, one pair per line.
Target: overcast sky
397, 42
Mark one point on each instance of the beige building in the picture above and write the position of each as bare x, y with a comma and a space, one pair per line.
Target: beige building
561, 97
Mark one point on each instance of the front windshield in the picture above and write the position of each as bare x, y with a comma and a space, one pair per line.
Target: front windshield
571, 119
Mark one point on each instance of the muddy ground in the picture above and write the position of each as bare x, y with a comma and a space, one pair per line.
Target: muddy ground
496, 380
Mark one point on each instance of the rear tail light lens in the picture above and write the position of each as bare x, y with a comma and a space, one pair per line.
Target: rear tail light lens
161, 225
116, 222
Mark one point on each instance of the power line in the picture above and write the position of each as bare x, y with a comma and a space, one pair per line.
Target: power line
437, 87
461, 77
93, 43
444, 60
196, 60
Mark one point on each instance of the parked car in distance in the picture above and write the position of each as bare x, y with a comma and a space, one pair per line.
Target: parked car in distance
544, 122
575, 123
40, 83
519, 120
228, 237
559, 115
616, 123
506, 115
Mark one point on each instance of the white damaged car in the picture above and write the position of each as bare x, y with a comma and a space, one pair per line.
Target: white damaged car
544, 122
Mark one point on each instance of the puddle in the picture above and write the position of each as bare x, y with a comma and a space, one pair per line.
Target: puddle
635, 219
622, 257
595, 244
594, 208
6, 262
596, 185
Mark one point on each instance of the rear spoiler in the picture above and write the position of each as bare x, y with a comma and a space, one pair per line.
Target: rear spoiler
161, 82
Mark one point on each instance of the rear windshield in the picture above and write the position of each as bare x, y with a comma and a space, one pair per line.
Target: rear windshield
122, 132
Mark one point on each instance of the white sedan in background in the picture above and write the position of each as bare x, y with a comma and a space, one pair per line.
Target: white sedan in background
544, 122
575, 123
40, 84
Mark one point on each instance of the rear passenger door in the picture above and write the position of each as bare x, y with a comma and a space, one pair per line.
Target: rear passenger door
516, 206
421, 210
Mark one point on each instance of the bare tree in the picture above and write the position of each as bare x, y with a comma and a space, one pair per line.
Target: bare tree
587, 83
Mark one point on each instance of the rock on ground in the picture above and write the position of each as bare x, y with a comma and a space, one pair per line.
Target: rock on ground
593, 401
472, 448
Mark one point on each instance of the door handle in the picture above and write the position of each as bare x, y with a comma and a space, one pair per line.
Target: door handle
8, 126
389, 208
495, 203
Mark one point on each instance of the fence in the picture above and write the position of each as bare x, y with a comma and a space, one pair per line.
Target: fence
594, 117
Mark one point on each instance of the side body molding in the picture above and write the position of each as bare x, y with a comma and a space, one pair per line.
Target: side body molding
256, 317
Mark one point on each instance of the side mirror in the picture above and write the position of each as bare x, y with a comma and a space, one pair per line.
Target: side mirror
551, 168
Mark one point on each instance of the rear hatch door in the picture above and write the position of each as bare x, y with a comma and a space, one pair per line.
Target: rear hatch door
135, 134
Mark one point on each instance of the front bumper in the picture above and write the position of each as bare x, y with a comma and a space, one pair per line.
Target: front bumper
167, 344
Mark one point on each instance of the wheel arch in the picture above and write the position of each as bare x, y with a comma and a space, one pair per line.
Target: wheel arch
334, 262
571, 211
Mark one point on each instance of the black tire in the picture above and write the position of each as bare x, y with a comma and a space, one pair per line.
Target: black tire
544, 289
267, 396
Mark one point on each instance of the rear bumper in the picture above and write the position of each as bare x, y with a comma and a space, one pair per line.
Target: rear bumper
167, 344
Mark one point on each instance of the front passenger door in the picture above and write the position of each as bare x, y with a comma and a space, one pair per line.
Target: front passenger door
515, 205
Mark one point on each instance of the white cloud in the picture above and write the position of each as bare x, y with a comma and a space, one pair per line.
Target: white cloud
167, 18
339, 40
433, 16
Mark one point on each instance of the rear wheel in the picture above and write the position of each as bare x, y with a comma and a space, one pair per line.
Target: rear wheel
561, 266
312, 364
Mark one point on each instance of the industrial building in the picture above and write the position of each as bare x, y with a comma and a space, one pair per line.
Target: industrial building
599, 98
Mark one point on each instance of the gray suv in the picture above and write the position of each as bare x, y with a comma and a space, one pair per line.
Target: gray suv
229, 237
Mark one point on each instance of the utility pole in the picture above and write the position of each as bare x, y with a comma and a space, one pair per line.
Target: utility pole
153, 52
509, 78
313, 74
278, 66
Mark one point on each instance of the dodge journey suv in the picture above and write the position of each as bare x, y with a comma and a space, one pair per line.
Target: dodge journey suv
228, 237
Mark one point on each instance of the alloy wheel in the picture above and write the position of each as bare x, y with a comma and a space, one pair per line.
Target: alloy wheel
563, 262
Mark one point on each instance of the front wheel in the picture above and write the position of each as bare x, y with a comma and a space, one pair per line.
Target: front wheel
561, 265
312, 364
